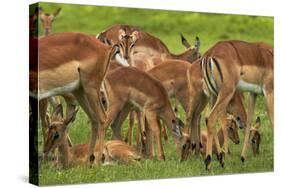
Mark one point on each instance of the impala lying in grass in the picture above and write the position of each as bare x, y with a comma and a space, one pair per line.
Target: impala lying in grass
113, 151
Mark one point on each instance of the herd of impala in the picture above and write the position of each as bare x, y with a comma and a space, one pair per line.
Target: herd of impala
126, 71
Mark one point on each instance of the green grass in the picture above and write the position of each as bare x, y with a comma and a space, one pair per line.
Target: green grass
166, 25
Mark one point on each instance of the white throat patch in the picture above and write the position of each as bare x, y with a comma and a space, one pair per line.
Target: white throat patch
121, 60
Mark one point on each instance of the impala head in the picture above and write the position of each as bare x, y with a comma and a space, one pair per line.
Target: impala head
255, 136
185, 147
47, 19
57, 129
192, 52
127, 41
232, 130
236, 108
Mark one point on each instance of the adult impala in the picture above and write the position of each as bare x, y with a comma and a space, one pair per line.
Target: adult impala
148, 47
76, 63
197, 101
231, 65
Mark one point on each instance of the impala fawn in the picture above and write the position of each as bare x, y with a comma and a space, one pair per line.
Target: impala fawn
113, 151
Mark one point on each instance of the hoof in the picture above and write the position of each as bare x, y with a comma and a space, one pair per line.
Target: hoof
162, 158
242, 159
92, 158
221, 159
193, 146
208, 162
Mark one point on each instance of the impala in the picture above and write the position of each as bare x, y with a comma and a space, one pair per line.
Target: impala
231, 65
113, 151
75, 63
48, 19
127, 92
148, 47
197, 101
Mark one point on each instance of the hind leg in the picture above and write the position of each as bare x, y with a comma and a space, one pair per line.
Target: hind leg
222, 101
250, 114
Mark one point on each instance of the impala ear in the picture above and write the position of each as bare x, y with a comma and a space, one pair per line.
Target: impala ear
56, 12
121, 34
258, 123
184, 41
70, 118
135, 36
58, 113
197, 43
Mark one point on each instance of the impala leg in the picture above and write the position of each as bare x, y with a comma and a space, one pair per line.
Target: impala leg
141, 135
70, 108
222, 101
269, 97
130, 128
148, 142
223, 120
83, 101
164, 131
116, 125
155, 128
250, 114
196, 124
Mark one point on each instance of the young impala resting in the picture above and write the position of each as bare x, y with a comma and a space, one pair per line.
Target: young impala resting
113, 151
125, 88
74, 63
233, 135
231, 65
255, 136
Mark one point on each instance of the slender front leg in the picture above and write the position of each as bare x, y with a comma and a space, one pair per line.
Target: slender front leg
155, 128
83, 101
223, 120
250, 114
130, 128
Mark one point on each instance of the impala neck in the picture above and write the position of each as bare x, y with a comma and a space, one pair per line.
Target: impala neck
186, 56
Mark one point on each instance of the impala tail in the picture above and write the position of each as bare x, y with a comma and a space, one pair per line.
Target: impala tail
210, 67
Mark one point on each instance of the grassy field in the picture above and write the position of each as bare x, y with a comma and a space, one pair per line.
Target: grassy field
166, 25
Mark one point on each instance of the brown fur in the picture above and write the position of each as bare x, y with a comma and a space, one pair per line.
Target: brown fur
78, 154
68, 57
151, 97
238, 60
148, 44
197, 100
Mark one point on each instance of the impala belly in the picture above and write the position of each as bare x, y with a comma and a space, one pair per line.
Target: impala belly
251, 79
60, 80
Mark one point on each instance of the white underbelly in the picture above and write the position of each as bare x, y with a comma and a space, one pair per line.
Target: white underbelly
249, 87
59, 90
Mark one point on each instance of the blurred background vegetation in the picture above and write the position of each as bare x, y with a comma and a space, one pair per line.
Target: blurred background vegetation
165, 25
